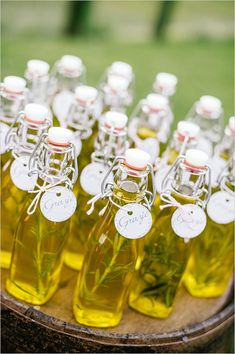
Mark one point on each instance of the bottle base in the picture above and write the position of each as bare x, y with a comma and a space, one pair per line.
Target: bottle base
96, 318
23, 292
5, 259
202, 290
73, 260
145, 306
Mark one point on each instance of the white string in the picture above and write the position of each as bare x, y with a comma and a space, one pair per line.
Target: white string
33, 205
172, 202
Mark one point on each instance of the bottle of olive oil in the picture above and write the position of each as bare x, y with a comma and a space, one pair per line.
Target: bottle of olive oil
111, 254
167, 248
37, 78
184, 138
66, 75
211, 264
208, 114
110, 142
150, 123
42, 230
13, 95
115, 94
165, 85
16, 182
84, 111
223, 151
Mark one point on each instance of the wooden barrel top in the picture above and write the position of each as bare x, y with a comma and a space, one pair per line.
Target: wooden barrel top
189, 312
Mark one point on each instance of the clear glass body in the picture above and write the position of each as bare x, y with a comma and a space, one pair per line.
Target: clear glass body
212, 261
39, 243
37, 257
106, 274
162, 262
107, 145
61, 94
12, 201
149, 130
211, 128
23, 143
38, 88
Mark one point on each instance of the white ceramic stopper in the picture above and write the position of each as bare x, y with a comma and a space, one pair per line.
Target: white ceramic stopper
14, 84
166, 82
188, 129
71, 63
157, 102
116, 120
86, 93
117, 83
36, 113
38, 67
196, 158
60, 136
137, 159
121, 68
210, 104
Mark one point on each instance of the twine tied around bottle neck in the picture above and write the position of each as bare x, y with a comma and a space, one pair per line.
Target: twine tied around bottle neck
41, 189
172, 202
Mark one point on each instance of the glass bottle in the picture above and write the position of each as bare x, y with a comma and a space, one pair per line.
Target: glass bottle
184, 138
67, 74
110, 142
37, 78
111, 254
42, 230
21, 140
165, 85
208, 114
167, 248
211, 264
150, 123
223, 151
83, 112
13, 95
124, 71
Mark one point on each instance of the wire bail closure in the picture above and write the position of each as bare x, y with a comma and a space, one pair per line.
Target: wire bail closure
170, 177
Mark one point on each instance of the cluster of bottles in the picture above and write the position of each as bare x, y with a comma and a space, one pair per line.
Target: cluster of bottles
137, 212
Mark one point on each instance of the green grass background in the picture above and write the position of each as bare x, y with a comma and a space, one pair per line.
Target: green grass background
203, 60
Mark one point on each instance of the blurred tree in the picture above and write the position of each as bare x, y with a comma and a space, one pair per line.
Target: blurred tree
78, 17
163, 19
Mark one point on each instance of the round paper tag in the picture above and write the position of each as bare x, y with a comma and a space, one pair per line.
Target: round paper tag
151, 146
4, 128
19, 174
77, 144
133, 221
221, 207
58, 204
61, 104
92, 176
216, 164
190, 222
159, 177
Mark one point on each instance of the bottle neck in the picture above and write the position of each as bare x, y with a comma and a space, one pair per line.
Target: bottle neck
24, 136
81, 119
182, 142
54, 163
116, 100
129, 185
108, 144
38, 87
187, 181
11, 104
